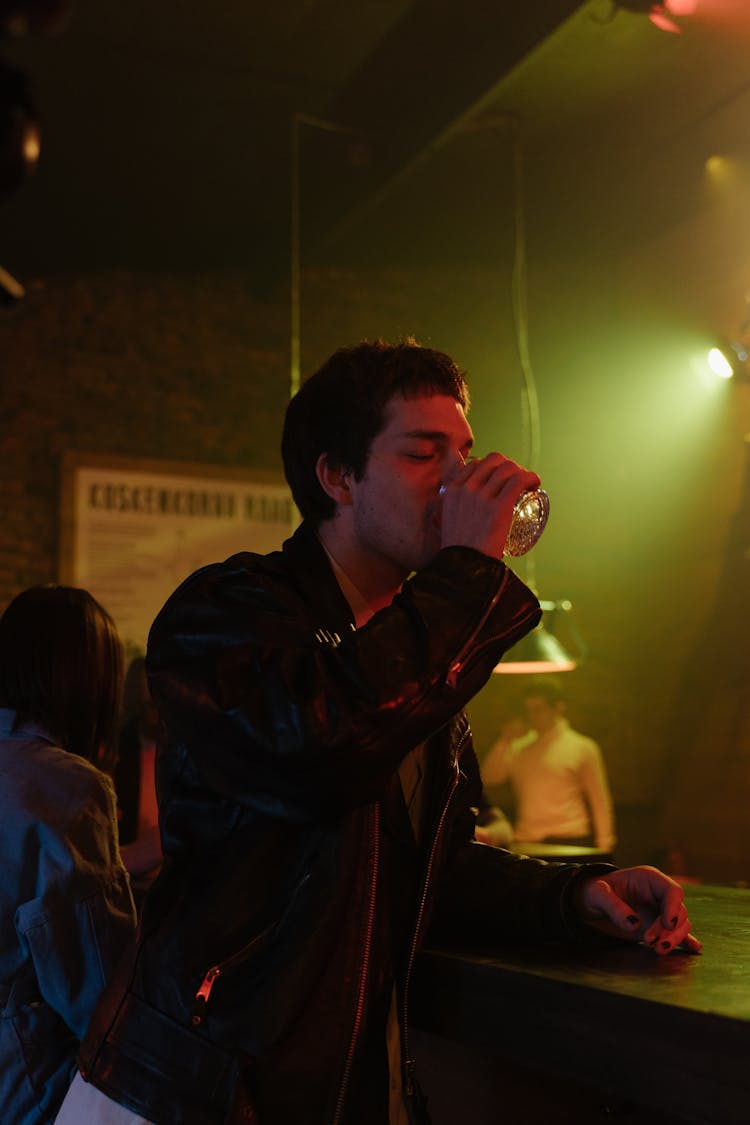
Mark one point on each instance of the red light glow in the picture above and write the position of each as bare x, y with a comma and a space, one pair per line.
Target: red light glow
659, 18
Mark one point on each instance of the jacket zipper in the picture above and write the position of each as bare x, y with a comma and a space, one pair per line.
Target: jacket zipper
364, 965
203, 995
409, 1064
457, 666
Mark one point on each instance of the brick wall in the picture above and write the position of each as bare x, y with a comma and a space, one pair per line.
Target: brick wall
182, 368
195, 368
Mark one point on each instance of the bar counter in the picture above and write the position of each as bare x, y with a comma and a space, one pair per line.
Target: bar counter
561, 1035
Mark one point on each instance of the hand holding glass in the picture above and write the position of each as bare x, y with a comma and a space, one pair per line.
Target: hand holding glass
529, 520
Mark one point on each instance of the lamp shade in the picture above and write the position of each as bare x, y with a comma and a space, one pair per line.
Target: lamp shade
540, 650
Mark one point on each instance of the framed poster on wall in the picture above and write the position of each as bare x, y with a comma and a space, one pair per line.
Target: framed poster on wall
133, 529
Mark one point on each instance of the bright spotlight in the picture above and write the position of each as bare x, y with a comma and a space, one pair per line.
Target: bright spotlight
681, 7
661, 12
719, 364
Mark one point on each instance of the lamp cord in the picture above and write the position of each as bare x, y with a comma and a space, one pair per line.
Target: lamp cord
529, 396
519, 284
295, 234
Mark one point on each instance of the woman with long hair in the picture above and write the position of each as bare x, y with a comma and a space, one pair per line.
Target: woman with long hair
66, 910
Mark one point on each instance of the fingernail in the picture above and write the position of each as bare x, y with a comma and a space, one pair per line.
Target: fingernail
635, 921
666, 945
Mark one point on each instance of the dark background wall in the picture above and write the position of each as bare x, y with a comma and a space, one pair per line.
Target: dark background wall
153, 243
651, 554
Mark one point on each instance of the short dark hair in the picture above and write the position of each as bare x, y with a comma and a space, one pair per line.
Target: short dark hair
340, 410
61, 666
548, 688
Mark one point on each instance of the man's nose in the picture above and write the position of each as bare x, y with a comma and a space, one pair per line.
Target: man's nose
454, 461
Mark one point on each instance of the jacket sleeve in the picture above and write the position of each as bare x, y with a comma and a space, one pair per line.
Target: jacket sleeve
83, 918
490, 896
300, 722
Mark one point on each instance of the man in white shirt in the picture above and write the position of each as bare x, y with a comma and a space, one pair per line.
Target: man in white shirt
558, 775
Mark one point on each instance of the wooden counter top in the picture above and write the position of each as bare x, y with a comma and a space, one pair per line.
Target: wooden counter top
671, 1033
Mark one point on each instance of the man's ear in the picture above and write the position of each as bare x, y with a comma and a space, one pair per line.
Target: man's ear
333, 480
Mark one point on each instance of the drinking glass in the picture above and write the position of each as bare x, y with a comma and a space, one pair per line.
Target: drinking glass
529, 521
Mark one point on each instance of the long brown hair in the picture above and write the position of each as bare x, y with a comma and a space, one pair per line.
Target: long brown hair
61, 666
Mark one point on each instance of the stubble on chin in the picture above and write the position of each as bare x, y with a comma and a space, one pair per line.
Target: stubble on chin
432, 544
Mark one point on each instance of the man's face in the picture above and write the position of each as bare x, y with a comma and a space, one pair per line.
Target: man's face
396, 505
542, 715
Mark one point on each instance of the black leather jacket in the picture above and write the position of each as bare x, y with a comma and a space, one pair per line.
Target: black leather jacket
294, 892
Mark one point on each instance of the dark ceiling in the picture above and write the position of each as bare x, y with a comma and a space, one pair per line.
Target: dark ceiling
168, 133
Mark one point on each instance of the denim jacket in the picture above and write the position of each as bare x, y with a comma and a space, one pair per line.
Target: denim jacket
66, 913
